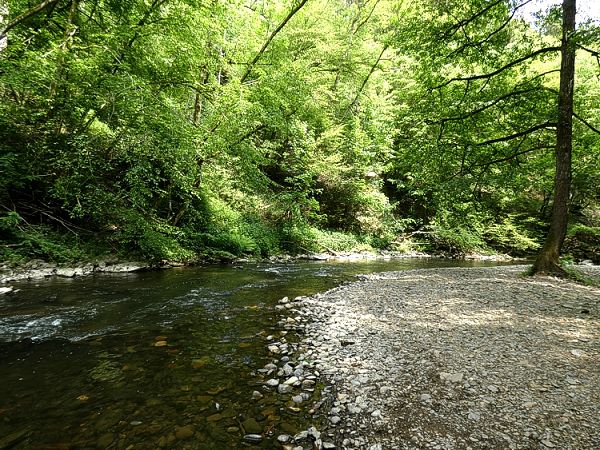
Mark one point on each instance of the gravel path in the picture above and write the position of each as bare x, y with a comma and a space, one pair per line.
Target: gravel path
456, 358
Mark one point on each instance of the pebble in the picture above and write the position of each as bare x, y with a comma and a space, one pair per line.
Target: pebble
253, 438
284, 388
185, 432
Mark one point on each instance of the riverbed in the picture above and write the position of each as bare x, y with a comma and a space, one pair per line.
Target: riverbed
156, 359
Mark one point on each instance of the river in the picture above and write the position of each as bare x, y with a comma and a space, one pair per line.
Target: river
163, 359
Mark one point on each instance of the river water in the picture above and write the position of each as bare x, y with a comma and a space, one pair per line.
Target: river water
163, 359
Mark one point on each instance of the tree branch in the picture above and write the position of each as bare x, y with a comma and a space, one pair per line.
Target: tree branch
513, 156
270, 38
543, 126
586, 123
366, 80
26, 15
454, 28
501, 69
491, 35
486, 106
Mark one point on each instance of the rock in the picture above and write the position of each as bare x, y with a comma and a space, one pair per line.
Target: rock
273, 382
251, 426
257, 395
548, 443
425, 398
451, 377
185, 432
312, 431
474, 415
297, 399
5, 290
291, 380
492, 388
335, 420
284, 438
328, 446
577, 353
301, 437
253, 438
274, 349
105, 440
284, 388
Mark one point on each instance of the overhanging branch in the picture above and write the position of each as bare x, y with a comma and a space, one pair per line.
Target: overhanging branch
586, 123
26, 15
489, 75
542, 126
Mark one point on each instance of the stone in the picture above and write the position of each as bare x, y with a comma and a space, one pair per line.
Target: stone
5, 290
273, 382
312, 431
257, 395
251, 426
253, 438
474, 415
425, 398
105, 440
335, 420
451, 377
328, 446
297, 399
185, 432
291, 380
284, 388
284, 438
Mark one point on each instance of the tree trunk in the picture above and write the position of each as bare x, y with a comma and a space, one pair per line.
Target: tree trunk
3, 20
547, 260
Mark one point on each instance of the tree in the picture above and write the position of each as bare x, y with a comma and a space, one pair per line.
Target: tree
494, 107
547, 259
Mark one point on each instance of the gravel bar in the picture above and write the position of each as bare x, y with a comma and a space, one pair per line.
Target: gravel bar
457, 358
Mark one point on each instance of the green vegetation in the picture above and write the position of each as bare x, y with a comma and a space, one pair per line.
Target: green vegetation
186, 130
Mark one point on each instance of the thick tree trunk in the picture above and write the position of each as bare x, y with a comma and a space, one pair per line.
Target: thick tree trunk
547, 260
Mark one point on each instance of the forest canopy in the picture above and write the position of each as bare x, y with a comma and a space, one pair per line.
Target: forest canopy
190, 129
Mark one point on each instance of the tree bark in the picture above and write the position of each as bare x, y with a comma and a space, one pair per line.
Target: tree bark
547, 261
3, 18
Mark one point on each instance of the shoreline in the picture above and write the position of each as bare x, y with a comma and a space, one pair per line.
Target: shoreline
456, 358
37, 269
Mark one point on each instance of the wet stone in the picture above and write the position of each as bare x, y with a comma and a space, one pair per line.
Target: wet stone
253, 438
185, 432
251, 426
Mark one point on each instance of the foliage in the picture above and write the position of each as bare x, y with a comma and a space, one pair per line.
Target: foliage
175, 131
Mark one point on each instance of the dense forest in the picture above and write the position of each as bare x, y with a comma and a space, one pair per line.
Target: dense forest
184, 130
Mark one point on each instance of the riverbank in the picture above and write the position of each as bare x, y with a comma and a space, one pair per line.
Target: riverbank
37, 269
457, 358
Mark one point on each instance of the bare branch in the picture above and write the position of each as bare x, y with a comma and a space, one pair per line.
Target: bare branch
501, 69
542, 126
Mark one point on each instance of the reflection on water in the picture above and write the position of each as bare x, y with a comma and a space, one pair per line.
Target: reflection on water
151, 360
